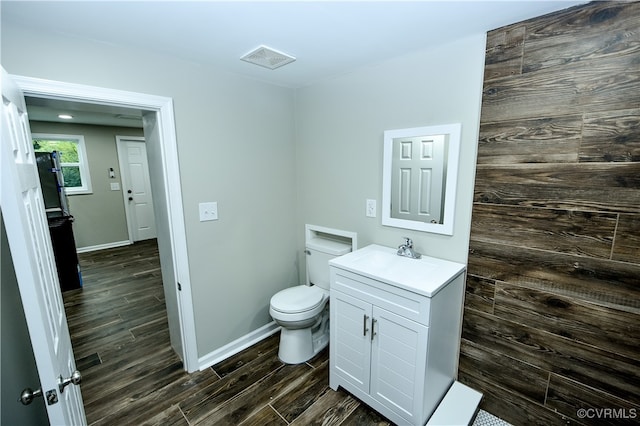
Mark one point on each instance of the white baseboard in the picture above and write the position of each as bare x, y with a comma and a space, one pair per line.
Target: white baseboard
104, 246
238, 345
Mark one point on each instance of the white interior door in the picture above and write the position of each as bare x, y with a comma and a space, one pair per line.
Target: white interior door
30, 245
134, 167
417, 178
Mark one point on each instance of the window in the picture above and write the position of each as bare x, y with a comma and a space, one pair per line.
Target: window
73, 159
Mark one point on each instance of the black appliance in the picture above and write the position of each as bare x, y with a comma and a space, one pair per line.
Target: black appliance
60, 220
52, 184
64, 251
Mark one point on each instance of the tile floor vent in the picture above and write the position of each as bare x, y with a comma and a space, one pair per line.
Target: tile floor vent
268, 58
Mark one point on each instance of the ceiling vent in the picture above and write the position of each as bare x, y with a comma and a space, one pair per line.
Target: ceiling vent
268, 58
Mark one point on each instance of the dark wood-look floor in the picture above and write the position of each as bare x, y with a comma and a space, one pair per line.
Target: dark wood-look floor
132, 376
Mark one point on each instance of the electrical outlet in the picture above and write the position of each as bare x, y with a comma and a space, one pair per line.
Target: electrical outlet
208, 211
371, 208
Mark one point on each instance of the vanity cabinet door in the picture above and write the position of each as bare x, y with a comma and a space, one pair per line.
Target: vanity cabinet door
350, 348
399, 353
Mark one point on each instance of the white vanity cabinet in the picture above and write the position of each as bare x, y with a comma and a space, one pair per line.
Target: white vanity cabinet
395, 330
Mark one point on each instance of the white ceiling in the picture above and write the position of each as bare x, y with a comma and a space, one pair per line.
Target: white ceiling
328, 38
46, 109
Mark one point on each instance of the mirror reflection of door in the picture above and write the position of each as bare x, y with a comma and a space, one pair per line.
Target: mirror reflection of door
137, 188
417, 179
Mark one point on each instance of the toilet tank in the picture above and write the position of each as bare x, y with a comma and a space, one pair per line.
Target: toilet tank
319, 252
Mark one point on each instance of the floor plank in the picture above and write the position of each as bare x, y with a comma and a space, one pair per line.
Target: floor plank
210, 400
332, 408
266, 416
297, 400
252, 399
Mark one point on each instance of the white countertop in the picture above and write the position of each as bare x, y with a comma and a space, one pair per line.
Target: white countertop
425, 276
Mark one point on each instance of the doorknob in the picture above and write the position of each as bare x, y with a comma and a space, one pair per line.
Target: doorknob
75, 378
28, 395
129, 191
130, 198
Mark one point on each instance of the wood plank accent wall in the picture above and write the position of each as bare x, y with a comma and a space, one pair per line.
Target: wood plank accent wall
552, 310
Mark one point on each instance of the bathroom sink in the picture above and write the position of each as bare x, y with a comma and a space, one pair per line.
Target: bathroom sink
424, 276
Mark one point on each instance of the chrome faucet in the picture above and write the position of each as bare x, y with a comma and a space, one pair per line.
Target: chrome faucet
407, 250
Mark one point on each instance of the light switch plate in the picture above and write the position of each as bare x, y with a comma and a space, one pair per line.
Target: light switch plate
208, 211
115, 186
371, 208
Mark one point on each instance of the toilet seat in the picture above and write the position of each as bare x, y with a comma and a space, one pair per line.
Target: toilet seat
297, 299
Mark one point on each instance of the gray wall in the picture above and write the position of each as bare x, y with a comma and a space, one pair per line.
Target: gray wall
104, 206
17, 360
340, 126
235, 145
275, 159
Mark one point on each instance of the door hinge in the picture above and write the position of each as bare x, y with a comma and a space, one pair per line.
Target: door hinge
179, 287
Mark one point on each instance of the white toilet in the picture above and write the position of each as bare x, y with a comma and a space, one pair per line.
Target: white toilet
303, 311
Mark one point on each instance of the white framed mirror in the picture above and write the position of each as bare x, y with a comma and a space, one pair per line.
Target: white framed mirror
419, 177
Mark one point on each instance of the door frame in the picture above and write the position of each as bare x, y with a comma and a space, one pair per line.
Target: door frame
124, 179
171, 198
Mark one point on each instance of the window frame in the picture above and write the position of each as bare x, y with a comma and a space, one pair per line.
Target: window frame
82, 164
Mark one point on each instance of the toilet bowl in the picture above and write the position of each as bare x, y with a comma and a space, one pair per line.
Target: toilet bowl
303, 314
302, 311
